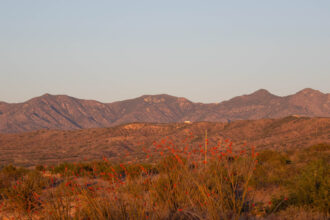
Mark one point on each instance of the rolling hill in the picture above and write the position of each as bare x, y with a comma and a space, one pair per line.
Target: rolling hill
126, 142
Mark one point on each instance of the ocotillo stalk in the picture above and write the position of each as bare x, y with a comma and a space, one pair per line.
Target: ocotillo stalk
205, 148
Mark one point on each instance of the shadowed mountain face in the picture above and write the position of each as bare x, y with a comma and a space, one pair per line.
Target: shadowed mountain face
65, 112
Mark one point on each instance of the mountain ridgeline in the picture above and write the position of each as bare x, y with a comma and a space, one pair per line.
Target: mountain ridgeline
68, 113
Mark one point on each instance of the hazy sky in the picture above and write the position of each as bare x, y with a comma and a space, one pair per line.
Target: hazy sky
206, 51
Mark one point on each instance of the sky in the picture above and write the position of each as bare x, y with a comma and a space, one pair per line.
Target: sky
207, 51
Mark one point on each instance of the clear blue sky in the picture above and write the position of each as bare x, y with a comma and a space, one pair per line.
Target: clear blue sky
206, 51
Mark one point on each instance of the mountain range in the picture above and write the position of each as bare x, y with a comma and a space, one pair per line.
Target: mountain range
69, 113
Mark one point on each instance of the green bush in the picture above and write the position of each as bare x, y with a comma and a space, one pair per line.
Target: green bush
274, 168
318, 151
311, 187
40, 167
278, 203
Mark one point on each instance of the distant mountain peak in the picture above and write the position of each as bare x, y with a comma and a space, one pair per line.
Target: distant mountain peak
46, 96
51, 96
158, 96
262, 92
309, 91
153, 99
162, 98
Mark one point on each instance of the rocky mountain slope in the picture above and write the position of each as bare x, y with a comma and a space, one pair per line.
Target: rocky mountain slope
65, 112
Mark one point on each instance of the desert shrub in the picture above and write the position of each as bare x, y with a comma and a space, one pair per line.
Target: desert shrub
322, 147
64, 169
138, 170
314, 152
90, 169
305, 180
170, 163
40, 167
9, 174
83, 169
311, 187
11, 170
80, 169
168, 187
24, 194
218, 187
277, 204
274, 168
298, 213
112, 206
58, 203
229, 183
